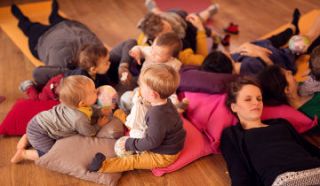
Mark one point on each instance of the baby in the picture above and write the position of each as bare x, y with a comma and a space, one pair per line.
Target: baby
72, 116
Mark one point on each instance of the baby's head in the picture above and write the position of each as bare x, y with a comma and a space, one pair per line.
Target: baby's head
77, 91
94, 59
165, 47
158, 81
315, 63
107, 97
217, 62
299, 44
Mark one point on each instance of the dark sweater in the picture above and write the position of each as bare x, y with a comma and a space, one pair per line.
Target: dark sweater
165, 133
257, 156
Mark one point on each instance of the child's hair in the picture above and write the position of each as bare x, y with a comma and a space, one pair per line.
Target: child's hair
217, 62
170, 39
315, 63
161, 78
72, 89
90, 54
235, 88
151, 25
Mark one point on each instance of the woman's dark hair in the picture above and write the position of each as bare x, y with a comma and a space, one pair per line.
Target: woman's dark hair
236, 86
273, 83
217, 62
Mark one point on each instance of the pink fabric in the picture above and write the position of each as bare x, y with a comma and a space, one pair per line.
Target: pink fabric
210, 115
15, 123
299, 121
195, 146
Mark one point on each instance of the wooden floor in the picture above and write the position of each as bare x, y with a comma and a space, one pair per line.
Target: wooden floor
114, 21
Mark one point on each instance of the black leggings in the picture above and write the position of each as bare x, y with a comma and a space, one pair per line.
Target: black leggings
34, 30
283, 37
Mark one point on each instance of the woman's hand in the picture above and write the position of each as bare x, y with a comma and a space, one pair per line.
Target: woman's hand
252, 50
195, 21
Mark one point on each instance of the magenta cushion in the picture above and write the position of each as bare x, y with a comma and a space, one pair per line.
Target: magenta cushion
195, 146
210, 115
299, 121
15, 123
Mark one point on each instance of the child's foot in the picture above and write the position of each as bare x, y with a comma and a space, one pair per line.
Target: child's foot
295, 20
96, 162
18, 156
23, 142
151, 5
25, 85
213, 9
15, 10
226, 40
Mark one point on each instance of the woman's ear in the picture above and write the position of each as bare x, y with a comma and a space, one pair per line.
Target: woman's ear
286, 90
233, 107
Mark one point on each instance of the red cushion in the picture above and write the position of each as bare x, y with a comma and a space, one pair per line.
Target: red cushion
15, 123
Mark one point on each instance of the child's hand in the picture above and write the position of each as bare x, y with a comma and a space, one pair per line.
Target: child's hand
195, 21
106, 111
124, 74
135, 52
102, 121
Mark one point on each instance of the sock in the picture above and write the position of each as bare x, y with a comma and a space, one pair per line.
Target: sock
96, 162
295, 20
17, 12
54, 9
213, 9
150, 4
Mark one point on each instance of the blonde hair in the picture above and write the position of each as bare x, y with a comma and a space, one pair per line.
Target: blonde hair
72, 90
161, 78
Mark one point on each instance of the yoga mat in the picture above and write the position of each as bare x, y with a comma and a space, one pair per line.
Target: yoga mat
305, 24
187, 5
38, 12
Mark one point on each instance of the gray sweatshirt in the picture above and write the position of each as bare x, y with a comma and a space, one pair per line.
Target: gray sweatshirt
61, 44
63, 121
165, 133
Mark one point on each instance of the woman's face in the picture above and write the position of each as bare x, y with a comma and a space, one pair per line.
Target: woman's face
292, 83
248, 104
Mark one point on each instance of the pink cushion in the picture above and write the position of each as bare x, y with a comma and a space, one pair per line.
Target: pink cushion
15, 123
299, 121
195, 146
210, 115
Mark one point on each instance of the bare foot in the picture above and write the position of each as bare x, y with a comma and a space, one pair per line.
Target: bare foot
23, 142
19, 156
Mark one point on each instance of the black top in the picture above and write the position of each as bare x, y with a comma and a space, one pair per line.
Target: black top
165, 133
257, 156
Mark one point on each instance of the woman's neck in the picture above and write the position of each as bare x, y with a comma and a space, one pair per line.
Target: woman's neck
252, 124
296, 101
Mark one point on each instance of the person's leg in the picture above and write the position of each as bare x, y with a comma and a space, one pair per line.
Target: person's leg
23, 154
314, 35
209, 12
30, 29
283, 37
43, 74
145, 160
23, 142
54, 17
